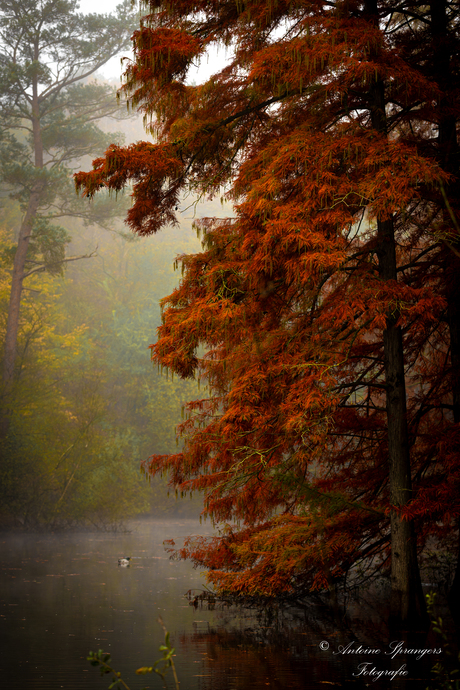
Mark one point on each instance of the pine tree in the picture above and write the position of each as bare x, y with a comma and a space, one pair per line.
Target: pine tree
49, 111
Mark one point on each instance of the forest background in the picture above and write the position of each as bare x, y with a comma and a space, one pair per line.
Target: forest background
81, 403
89, 404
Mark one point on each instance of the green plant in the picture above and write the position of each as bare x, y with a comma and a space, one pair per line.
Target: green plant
167, 660
102, 659
443, 678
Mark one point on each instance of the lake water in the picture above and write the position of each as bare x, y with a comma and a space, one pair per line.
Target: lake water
64, 595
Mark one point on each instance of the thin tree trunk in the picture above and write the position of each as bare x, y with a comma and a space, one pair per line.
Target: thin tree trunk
12, 328
407, 605
16, 289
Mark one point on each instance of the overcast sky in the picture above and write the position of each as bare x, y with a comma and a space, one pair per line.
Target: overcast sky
112, 70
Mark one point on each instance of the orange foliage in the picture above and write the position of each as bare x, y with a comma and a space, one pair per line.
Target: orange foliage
287, 297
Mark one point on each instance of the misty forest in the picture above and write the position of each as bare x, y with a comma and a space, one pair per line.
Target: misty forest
82, 405
238, 297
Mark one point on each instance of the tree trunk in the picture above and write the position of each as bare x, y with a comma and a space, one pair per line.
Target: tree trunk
407, 604
11, 337
16, 288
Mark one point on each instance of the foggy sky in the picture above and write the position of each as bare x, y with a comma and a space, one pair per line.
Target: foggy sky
112, 69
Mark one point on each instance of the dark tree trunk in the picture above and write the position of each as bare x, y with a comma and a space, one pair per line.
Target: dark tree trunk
407, 605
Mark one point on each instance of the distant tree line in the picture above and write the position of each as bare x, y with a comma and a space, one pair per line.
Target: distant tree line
80, 403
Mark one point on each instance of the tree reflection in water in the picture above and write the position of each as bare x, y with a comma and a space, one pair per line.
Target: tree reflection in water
64, 595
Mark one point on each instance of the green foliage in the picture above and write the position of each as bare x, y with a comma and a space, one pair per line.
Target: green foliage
443, 679
51, 106
47, 245
102, 660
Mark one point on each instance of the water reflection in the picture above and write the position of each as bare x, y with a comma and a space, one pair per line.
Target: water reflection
64, 595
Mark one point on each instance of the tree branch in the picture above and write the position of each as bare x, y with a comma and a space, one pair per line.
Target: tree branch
43, 267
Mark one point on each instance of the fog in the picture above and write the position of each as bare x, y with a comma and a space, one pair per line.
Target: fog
88, 405
198, 74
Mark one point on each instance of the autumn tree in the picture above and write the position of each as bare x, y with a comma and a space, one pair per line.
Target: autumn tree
49, 111
327, 306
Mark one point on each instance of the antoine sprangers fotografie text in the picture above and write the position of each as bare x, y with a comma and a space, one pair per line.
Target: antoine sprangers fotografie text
394, 649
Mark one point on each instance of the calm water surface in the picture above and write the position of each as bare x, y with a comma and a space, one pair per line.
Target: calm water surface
64, 595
